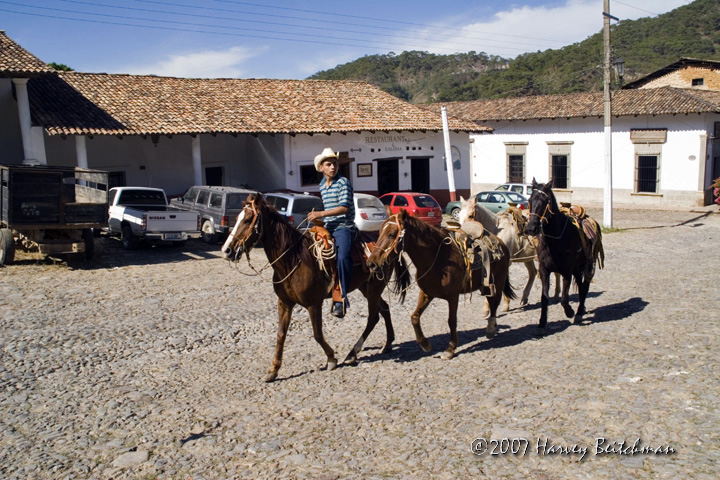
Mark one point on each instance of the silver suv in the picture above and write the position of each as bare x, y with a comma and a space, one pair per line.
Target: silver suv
218, 208
295, 206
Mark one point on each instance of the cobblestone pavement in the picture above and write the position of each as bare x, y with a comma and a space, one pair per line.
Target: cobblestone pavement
150, 365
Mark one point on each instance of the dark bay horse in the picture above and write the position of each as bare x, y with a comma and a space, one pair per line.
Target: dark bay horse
562, 248
298, 278
441, 271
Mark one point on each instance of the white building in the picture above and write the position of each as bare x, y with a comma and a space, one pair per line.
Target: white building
664, 147
177, 132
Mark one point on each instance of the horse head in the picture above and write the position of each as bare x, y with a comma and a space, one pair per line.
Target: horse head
389, 244
247, 230
541, 209
467, 210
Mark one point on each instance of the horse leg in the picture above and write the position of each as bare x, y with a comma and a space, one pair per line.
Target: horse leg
452, 323
532, 271
315, 312
284, 315
565, 298
544, 297
493, 303
422, 303
375, 304
583, 287
557, 287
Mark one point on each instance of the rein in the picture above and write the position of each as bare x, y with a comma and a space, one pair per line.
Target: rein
546, 220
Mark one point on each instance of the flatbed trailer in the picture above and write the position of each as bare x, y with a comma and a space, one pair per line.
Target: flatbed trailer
53, 210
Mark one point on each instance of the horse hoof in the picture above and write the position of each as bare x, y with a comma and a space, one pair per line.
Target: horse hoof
271, 377
351, 359
569, 312
331, 364
490, 333
523, 302
540, 332
425, 345
447, 355
386, 349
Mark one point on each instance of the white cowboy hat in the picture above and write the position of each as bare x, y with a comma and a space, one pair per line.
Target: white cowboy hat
327, 153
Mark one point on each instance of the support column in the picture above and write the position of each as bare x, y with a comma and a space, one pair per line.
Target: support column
81, 151
197, 160
24, 114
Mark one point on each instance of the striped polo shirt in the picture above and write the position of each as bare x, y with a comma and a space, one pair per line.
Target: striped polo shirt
339, 193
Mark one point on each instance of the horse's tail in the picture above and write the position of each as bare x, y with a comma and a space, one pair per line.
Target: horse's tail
508, 290
599, 251
402, 278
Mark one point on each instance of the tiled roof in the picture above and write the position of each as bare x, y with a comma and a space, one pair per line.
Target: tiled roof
15, 61
82, 103
653, 101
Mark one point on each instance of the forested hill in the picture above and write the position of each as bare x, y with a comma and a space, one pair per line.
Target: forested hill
646, 45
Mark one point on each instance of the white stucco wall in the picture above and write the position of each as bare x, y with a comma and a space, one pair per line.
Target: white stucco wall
682, 158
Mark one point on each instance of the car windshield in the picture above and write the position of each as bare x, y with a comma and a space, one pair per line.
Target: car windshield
364, 202
425, 201
235, 202
515, 197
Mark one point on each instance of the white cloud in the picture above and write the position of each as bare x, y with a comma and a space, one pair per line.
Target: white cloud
531, 28
228, 63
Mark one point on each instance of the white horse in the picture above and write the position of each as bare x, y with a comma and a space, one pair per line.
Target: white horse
510, 229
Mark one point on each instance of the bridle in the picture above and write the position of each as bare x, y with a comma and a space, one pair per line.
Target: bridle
546, 220
546, 211
255, 227
399, 239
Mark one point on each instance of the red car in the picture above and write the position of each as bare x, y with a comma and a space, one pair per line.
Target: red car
420, 205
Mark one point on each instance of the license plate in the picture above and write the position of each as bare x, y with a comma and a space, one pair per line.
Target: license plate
378, 215
172, 236
431, 214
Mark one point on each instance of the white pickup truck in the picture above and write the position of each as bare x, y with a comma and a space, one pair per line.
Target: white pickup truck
142, 213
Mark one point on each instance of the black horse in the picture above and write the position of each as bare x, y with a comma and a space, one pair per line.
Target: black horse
563, 247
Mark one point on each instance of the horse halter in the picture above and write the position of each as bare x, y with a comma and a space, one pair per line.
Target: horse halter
400, 238
254, 228
546, 211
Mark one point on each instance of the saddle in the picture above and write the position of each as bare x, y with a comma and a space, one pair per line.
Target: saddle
589, 231
479, 250
323, 248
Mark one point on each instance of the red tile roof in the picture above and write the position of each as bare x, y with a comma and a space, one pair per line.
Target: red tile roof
15, 61
655, 101
83, 103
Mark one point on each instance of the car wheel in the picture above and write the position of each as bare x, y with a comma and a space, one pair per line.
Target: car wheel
127, 238
208, 232
7, 246
455, 213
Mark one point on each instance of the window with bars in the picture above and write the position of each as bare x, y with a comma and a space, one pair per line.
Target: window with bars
559, 171
516, 168
646, 173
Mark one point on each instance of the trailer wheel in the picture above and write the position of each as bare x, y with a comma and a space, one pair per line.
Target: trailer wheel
89, 239
7, 246
129, 242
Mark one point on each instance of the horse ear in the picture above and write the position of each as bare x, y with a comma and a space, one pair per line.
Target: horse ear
388, 211
535, 184
549, 184
402, 215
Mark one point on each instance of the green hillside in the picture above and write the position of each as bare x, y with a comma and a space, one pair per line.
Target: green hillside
646, 45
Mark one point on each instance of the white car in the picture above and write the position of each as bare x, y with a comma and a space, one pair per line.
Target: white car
521, 188
369, 212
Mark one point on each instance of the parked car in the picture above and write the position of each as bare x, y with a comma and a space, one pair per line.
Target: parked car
295, 206
494, 200
137, 214
218, 208
420, 205
524, 189
369, 212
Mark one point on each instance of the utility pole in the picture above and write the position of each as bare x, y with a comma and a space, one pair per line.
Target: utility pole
607, 116
448, 155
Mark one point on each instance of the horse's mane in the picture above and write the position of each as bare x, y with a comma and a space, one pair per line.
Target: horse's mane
488, 219
285, 237
424, 232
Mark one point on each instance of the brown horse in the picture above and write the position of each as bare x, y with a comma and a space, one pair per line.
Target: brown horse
441, 271
563, 247
299, 279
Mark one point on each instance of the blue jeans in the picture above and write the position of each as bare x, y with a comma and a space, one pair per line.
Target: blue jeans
343, 242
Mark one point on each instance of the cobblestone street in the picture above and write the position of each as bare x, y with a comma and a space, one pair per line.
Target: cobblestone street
149, 364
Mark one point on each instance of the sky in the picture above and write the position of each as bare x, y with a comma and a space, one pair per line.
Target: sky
293, 39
